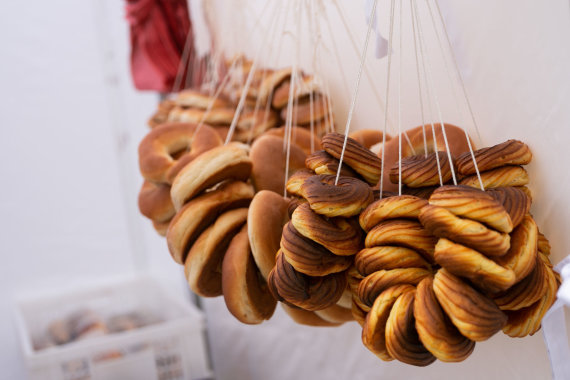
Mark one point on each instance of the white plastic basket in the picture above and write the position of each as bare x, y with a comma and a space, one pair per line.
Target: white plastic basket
174, 348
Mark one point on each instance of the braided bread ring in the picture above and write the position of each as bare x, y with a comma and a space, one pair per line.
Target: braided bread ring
527, 291
295, 182
500, 177
473, 204
205, 257
323, 163
309, 293
158, 148
442, 223
402, 341
212, 167
521, 257
466, 262
245, 291
347, 198
308, 257
404, 206
511, 152
405, 233
374, 284
363, 161
527, 321
515, 201
374, 328
337, 235
434, 328
421, 171
370, 260
474, 315
197, 214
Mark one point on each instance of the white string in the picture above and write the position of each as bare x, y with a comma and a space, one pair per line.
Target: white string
400, 32
419, 82
453, 89
387, 95
428, 95
355, 94
436, 100
336, 53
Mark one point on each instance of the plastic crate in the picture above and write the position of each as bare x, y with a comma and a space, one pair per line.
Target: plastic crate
174, 348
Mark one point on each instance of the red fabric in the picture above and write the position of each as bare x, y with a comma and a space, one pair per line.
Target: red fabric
158, 30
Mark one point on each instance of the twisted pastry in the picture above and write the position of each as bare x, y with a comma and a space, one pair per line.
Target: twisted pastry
370, 260
511, 152
374, 284
405, 206
515, 201
422, 171
499, 177
323, 163
347, 198
363, 161
521, 257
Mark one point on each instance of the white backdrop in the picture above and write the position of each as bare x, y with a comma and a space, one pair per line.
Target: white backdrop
70, 179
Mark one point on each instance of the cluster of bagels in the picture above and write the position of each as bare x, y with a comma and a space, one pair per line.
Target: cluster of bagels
426, 274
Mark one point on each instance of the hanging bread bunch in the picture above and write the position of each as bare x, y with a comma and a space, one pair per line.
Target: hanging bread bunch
438, 275
209, 233
318, 243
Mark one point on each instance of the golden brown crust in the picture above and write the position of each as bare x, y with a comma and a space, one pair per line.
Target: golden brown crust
434, 328
444, 224
161, 227
161, 114
368, 137
404, 206
216, 116
348, 197
203, 263
472, 203
303, 112
302, 137
307, 292
323, 163
374, 284
521, 257
269, 163
402, 341
245, 291
338, 235
227, 162
363, 161
500, 177
305, 317
370, 260
468, 263
196, 99
515, 201
199, 213
475, 316
267, 214
271, 82
308, 257
422, 171
336, 314
158, 148
295, 181
154, 202
511, 152
404, 233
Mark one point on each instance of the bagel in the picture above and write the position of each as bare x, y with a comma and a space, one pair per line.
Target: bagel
196, 99
302, 137
213, 117
303, 89
308, 257
471, 203
161, 227
403, 233
468, 263
444, 224
271, 82
499, 177
368, 137
222, 163
434, 328
346, 198
422, 171
307, 292
200, 212
154, 202
246, 294
475, 316
405, 206
402, 341
268, 213
511, 152
204, 260
158, 148
363, 161
304, 110
269, 161
338, 235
